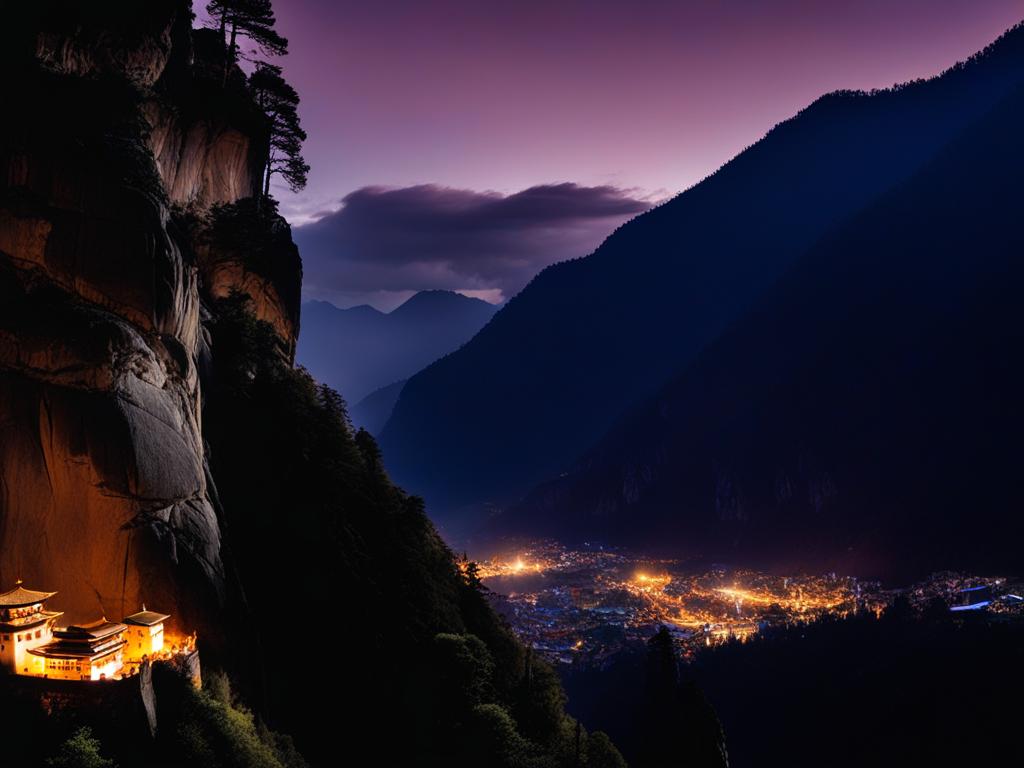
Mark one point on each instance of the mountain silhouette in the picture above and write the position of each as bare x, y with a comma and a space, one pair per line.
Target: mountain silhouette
359, 350
588, 339
373, 411
866, 411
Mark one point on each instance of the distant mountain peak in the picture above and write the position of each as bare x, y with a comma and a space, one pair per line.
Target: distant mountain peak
440, 298
361, 349
319, 305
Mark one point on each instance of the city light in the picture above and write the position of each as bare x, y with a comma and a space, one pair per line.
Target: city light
590, 603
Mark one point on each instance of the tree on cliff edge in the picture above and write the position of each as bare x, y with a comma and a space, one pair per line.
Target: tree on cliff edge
279, 102
253, 19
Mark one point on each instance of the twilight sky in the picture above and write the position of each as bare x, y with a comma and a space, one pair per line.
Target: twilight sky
426, 116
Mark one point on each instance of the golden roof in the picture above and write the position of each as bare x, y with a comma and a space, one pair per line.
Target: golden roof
94, 630
19, 596
146, 618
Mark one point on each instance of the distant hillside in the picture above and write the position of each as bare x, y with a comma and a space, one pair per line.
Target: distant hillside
867, 411
359, 350
372, 412
589, 338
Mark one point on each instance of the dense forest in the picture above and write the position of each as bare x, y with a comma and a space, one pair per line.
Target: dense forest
353, 598
912, 688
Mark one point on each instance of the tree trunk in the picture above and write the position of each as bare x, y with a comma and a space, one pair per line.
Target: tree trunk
266, 187
229, 55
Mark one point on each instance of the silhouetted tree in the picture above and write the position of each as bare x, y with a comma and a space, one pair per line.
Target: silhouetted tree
680, 725
82, 750
704, 738
659, 718
253, 19
371, 452
279, 102
464, 670
334, 406
471, 573
601, 753
492, 739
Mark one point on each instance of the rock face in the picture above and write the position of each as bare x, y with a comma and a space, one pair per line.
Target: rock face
263, 263
105, 494
208, 141
204, 162
137, 50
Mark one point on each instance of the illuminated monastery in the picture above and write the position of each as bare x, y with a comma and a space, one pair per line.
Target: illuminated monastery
32, 644
145, 633
93, 651
24, 626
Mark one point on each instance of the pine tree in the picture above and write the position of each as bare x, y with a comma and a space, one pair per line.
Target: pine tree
679, 725
252, 19
279, 101
661, 708
81, 750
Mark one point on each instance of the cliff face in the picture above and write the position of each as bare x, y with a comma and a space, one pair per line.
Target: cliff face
241, 248
208, 140
202, 162
105, 494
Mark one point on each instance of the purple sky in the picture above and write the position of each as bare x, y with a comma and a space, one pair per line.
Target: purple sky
644, 96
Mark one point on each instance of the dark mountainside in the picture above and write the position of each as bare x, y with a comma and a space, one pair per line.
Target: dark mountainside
909, 689
866, 413
159, 446
373, 411
359, 350
588, 339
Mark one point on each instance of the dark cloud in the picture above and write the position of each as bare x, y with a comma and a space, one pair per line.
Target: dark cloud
390, 242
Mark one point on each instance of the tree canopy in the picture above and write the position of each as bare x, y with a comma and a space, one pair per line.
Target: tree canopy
252, 19
81, 750
279, 101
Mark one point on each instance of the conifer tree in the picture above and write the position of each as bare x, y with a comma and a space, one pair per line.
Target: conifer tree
279, 102
252, 19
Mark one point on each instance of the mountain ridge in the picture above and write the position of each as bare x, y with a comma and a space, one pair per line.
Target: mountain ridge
732, 457
361, 349
587, 338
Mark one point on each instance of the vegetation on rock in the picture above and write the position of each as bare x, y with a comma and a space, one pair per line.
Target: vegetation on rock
355, 593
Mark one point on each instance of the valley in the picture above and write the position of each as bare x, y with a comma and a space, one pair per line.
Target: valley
582, 607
